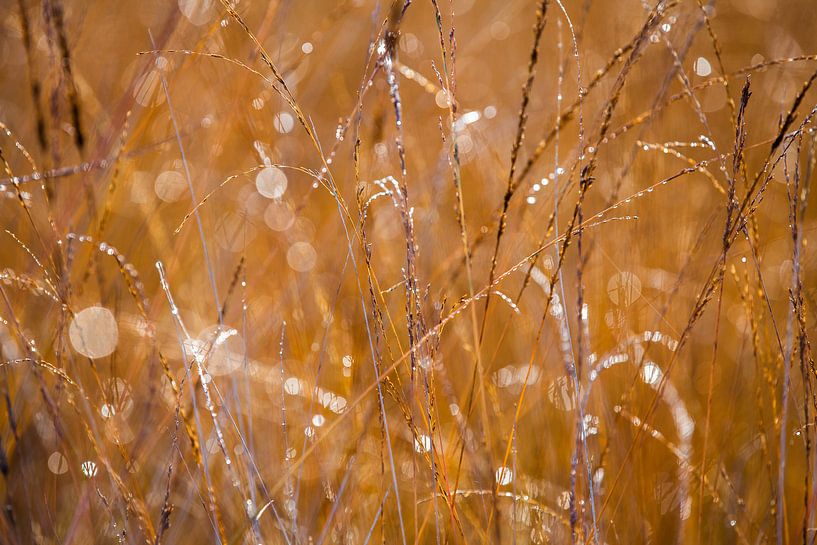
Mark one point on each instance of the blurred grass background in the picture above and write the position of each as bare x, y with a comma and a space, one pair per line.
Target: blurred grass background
230, 315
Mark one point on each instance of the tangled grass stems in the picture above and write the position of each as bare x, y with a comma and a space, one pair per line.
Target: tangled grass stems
327, 367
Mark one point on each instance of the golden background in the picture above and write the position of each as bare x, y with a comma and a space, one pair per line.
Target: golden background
222, 223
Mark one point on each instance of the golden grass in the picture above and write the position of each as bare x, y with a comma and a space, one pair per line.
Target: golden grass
421, 272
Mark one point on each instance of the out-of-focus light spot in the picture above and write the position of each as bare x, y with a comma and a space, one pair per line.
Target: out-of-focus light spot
271, 182
463, 6
500, 30
119, 396
169, 186
410, 44
107, 411
146, 91
442, 99
197, 12
651, 373
466, 119
233, 232
562, 394
283, 122
141, 191
465, 143
89, 469
702, 67
422, 443
504, 476
713, 98
512, 375
196, 349
301, 256
251, 202
57, 464
624, 288
759, 9
221, 350
162, 63
292, 386
118, 431
279, 216
93, 332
